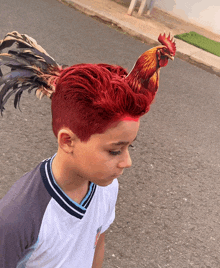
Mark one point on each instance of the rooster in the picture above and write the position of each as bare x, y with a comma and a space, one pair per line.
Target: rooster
33, 68
145, 74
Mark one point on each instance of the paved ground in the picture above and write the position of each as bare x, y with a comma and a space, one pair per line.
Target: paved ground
148, 29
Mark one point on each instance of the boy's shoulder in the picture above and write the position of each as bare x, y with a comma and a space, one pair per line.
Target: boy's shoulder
23, 198
21, 211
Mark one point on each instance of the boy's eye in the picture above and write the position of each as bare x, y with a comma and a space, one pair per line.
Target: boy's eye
114, 152
118, 152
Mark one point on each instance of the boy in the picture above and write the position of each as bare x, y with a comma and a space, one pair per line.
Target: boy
57, 214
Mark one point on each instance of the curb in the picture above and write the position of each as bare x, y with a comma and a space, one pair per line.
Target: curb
108, 19
148, 38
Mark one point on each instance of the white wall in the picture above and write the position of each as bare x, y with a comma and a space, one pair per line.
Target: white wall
204, 13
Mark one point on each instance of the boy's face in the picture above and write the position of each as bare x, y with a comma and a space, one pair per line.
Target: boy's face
104, 157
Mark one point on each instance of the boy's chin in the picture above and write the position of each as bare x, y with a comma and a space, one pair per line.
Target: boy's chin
104, 183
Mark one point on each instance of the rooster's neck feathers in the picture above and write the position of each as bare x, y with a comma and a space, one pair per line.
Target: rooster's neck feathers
144, 68
145, 74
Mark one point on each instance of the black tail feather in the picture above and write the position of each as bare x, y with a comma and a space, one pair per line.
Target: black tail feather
31, 68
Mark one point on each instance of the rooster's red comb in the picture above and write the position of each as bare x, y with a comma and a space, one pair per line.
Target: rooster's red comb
168, 42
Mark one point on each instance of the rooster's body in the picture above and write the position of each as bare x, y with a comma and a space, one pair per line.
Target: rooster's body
145, 74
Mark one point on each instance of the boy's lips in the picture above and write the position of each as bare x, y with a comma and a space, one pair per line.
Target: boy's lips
119, 174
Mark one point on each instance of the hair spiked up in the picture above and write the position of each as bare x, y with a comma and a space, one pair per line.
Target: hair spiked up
86, 98
89, 97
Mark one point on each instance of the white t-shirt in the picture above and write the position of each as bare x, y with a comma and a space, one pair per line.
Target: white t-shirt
40, 226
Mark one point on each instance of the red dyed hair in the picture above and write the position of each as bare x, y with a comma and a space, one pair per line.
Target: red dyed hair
90, 97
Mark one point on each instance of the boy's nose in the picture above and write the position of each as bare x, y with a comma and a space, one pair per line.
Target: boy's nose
126, 161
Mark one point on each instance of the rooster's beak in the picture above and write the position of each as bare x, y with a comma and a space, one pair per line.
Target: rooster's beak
170, 57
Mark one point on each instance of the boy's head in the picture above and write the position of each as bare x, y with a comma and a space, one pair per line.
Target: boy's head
99, 160
90, 98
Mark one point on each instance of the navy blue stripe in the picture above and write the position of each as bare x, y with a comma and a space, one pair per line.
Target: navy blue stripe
59, 191
55, 196
58, 195
92, 187
91, 196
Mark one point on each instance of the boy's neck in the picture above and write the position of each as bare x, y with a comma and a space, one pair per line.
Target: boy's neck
76, 188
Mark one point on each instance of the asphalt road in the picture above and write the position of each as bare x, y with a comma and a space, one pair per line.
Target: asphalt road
168, 205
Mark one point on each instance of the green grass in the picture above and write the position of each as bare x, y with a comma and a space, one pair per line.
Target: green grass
200, 41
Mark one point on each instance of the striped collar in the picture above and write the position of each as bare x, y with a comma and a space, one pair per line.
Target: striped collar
73, 208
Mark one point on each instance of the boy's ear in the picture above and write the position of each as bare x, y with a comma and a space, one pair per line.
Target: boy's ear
66, 140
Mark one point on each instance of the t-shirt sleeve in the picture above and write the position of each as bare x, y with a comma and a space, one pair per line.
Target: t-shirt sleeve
11, 242
21, 211
113, 194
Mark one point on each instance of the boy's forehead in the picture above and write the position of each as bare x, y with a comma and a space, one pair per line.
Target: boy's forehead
122, 142
124, 133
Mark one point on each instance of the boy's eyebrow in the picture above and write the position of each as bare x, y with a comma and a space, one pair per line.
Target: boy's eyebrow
122, 142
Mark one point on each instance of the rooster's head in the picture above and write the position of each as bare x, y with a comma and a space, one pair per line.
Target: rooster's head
168, 51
